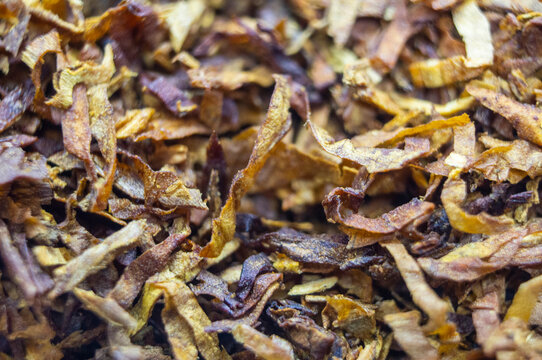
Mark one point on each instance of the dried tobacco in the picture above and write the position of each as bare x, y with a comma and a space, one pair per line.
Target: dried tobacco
289, 179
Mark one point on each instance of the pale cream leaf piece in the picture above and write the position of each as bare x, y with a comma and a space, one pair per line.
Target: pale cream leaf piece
260, 344
96, 257
474, 28
408, 333
314, 286
106, 308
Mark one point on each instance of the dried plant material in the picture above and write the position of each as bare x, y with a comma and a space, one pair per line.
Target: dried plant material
394, 39
76, 129
17, 166
387, 223
408, 333
50, 17
31, 283
97, 257
434, 73
485, 316
14, 104
314, 286
259, 291
474, 260
183, 266
133, 122
260, 344
106, 308
309, 338
102, 129
12, 39
361, 74
48, 256
324, 253
284, 264
513, 338
351, 316
190, 13
252, 317
214, 286
474, 28
252, 267
374, 159
165, 127
182, 306
525, 300
341, 15
357, 283
153, 195
525, 118
173, 98
230, 78
294, 164
453, 195
158, 188
88, 73
422, 294
390, 138
427, 107
139, 270
508, 161
441, 4
275, 126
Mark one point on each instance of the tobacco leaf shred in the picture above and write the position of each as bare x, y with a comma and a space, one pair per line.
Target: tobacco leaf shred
290, 179
275, 127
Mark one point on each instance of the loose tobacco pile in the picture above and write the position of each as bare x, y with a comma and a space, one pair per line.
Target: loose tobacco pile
287, 179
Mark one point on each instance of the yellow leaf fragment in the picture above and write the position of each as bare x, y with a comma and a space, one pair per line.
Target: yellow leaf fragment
390, 138
525, 118
49, 42
314, 286
525, 299
450, 108
180, 18
133, 122
106, 308
508, 160
374, 159
284, 264
103, 130
229, 77
275, 126
352, 316
433, 73
453, 195
88, 73
476, 259
50, 256
50, 17
179, 298
260, 344
183, 266
408, 333
96, 257
422, 294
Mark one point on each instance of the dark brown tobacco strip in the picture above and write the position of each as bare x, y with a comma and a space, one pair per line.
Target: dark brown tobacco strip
144, 266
